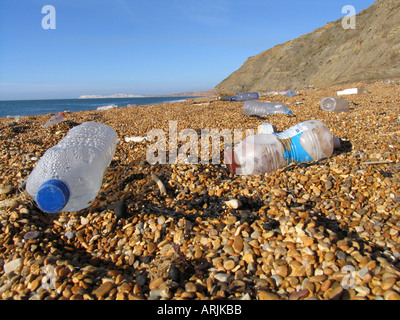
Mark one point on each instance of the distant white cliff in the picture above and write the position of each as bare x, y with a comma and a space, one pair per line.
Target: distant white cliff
117, 95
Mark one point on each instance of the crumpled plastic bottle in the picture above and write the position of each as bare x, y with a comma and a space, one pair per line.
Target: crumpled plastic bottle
266, 152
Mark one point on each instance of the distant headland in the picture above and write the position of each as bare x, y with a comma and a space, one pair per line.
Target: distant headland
208, 93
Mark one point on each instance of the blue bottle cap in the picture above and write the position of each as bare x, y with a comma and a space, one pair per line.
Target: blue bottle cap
52, 196
288, 112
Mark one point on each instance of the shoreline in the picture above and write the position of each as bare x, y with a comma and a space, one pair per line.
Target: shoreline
90, 103
291, 237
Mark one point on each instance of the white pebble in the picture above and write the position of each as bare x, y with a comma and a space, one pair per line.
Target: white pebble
223, 277
69, 235
12, 265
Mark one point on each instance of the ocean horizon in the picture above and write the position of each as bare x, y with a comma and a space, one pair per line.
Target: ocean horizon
15, 108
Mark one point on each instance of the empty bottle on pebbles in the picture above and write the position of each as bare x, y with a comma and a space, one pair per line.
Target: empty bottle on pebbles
258, 108
334, 104
245, 96
69, 175
266, 152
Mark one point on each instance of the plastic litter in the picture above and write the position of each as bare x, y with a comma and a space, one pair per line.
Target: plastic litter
245, 96
258, 108
136, 139
57, 118
266, 128
107, 107
69, 175
352, 91
224, 97
291, 93
266, 152
334, 104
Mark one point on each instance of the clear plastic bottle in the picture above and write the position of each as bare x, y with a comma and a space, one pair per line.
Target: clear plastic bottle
291, 93
334, 104
69, 175
266, 152
224, 97
245, 96
258, 108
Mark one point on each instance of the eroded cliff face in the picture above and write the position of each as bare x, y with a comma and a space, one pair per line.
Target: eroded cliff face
328, 55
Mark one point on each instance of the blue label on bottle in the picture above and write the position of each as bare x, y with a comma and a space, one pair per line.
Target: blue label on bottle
295, 151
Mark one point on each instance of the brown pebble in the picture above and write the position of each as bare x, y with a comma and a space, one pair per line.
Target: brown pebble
188, 295
333, 294
190, 287
34, 285
77, 296
229, 264
388, 283
151, 247
155, 283
282, 271
299, 294
391, 295
6, 189
124, 287
237, 285
326, 285
238, 243
103, 289
319, 278
266, 295
120, 296
249, 258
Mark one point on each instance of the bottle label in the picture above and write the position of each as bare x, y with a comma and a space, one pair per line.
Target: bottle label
292, 131
290, 139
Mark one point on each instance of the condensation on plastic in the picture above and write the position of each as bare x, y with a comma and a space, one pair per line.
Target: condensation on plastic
79, 160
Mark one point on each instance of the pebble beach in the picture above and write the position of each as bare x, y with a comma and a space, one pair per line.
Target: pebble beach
324, 230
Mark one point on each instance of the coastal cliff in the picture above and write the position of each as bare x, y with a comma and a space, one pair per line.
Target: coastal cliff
328, 55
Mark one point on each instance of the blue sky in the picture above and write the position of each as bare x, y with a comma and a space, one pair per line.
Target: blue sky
144, 46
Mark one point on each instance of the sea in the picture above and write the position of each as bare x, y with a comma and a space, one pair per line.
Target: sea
15, 108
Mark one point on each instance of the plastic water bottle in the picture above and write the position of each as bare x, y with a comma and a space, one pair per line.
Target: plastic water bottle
224, 97
258, 108
245, 96
69, 175
334, 104
291, 93
267, 152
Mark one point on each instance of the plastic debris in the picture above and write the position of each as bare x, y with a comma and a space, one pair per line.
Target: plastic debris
352, 91
245, 96
263, 153
135, 139
334, 104
291, 93
57, 118
258, 108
